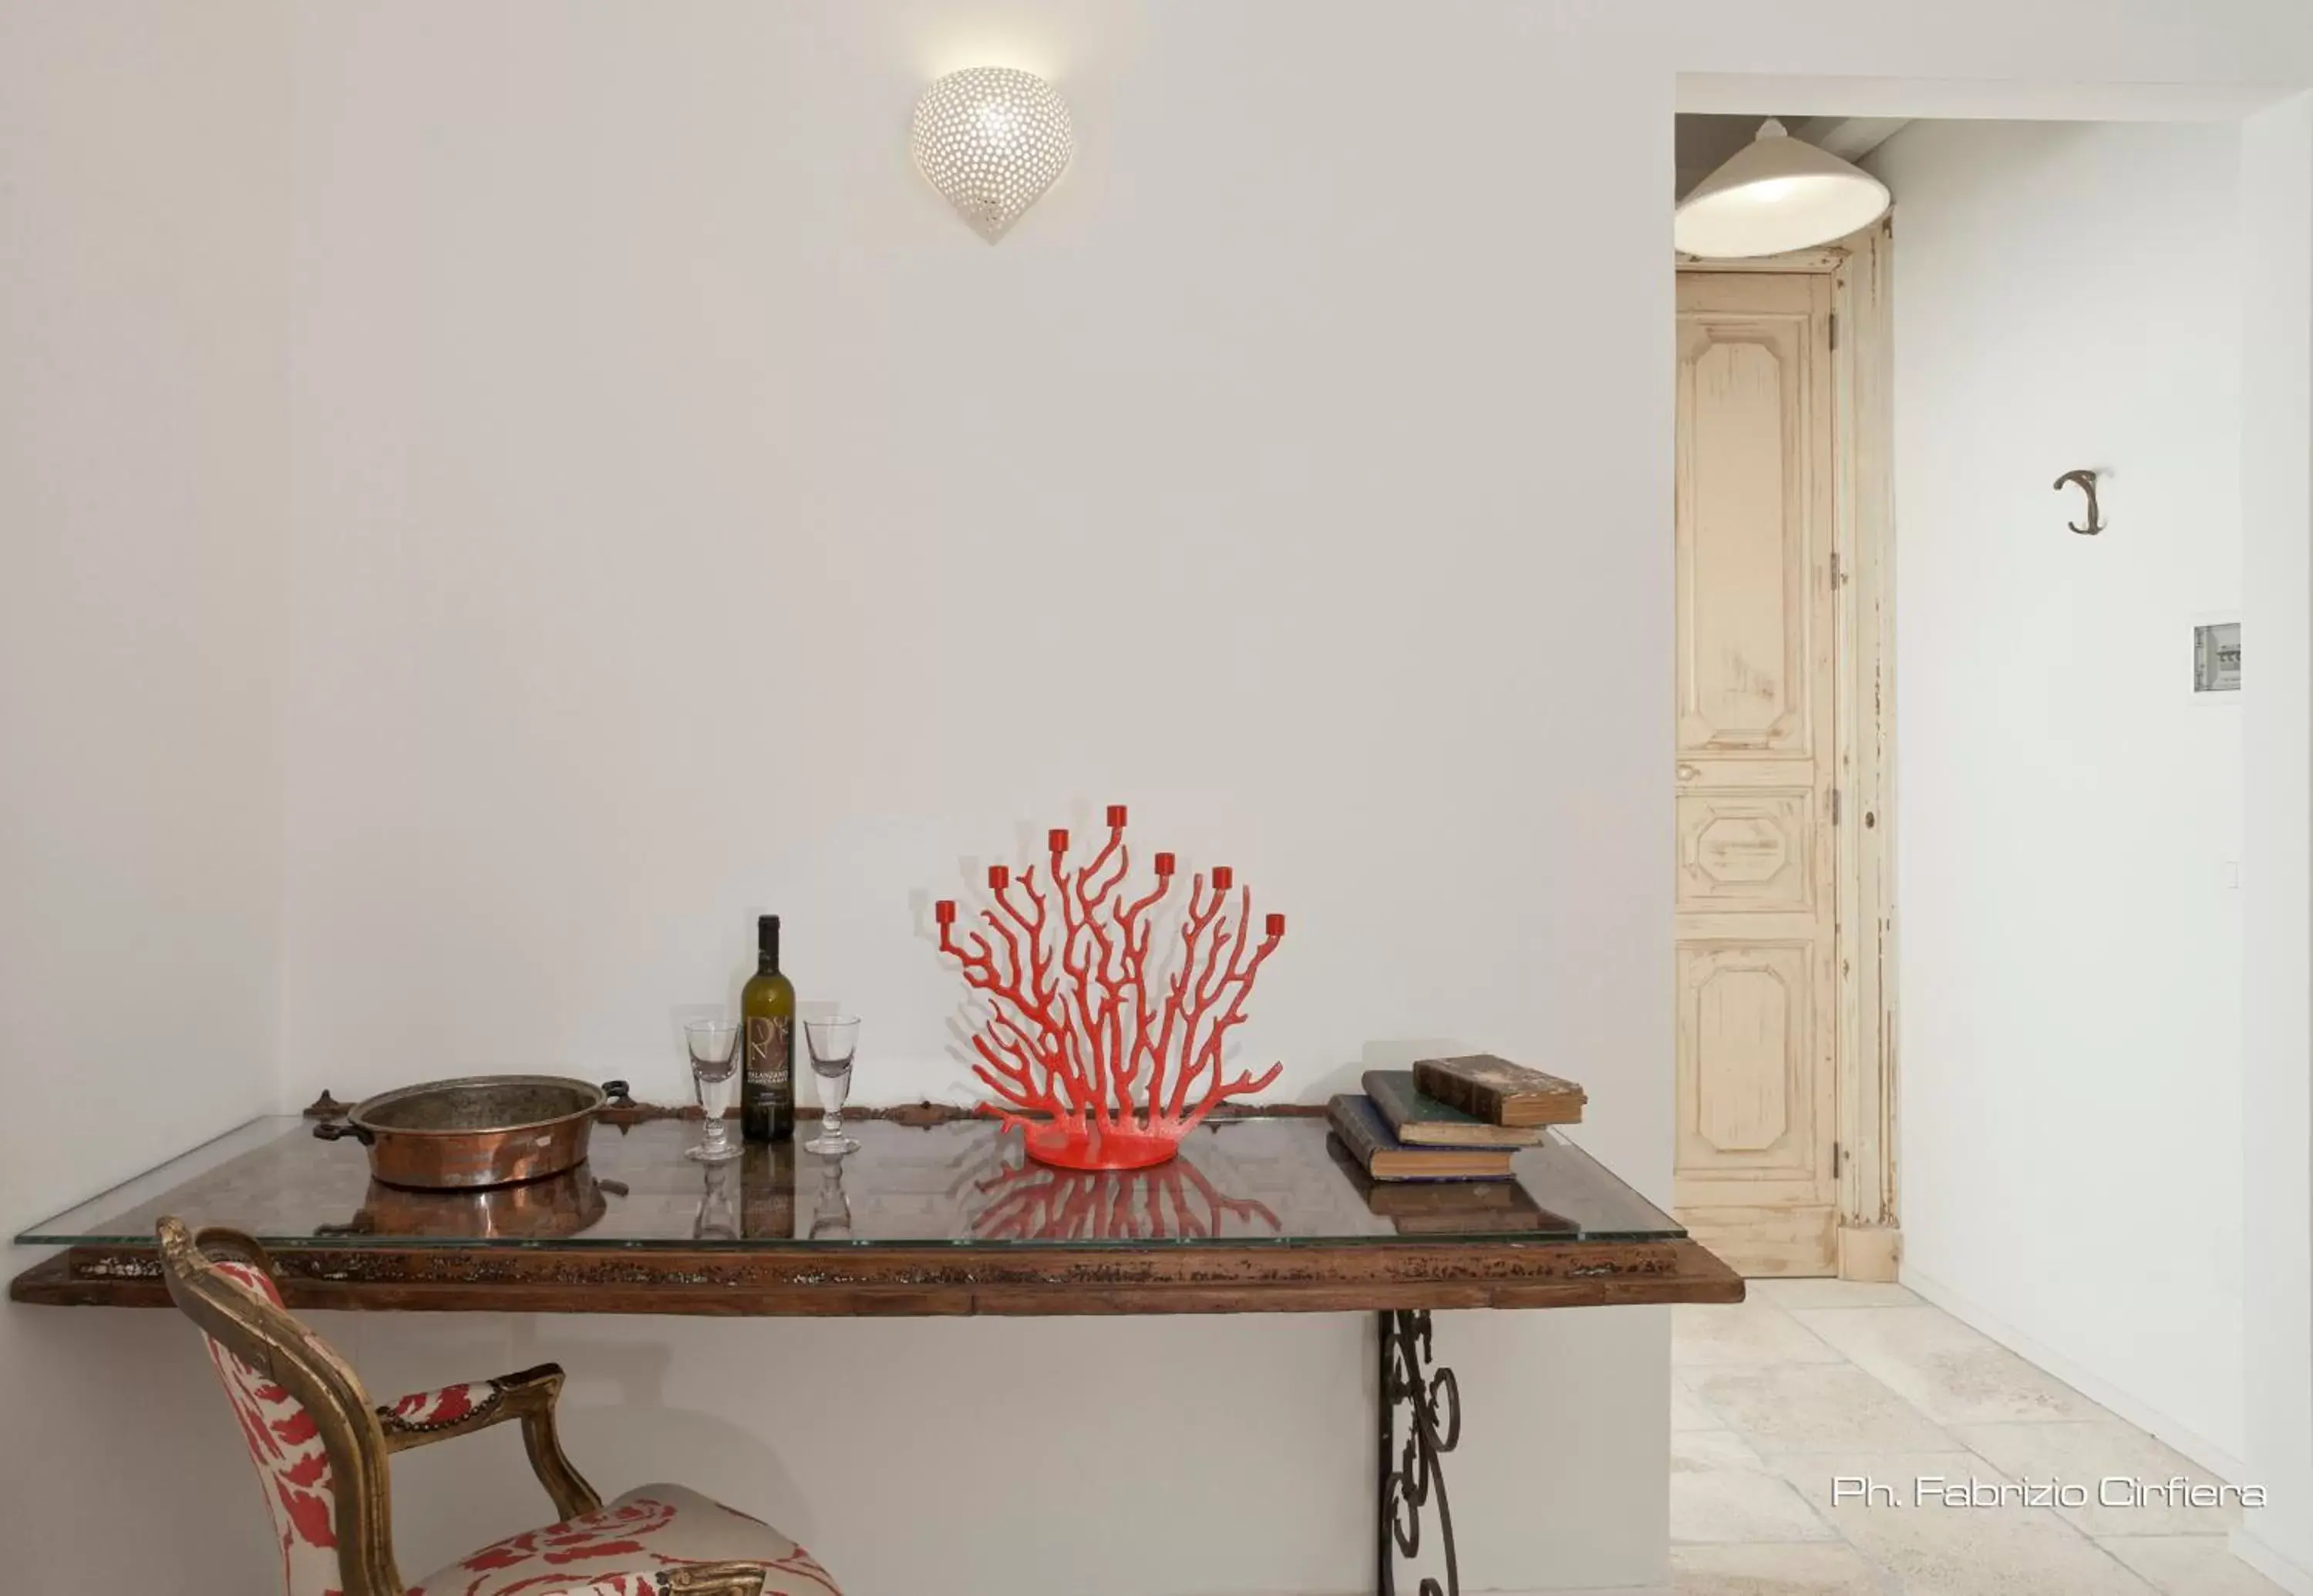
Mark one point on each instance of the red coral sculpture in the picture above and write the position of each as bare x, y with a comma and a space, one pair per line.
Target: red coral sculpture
1102, 1061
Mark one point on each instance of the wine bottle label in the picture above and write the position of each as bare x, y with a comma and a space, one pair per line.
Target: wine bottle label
770, 1053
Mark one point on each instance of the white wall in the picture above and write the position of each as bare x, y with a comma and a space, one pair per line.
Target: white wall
695, 516
141, 497
614, 337
2277, 1107
2070, 295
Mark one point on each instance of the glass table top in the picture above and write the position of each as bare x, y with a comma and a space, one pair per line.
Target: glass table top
1283, 1180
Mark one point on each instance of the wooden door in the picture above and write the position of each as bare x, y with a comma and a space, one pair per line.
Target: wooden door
1756, 1173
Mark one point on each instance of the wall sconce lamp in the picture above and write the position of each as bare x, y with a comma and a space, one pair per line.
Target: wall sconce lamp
992, 140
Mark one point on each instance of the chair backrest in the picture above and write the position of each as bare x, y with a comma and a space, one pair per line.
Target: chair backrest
320, 1453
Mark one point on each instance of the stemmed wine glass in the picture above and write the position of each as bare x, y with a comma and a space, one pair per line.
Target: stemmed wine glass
831, 1042
715, 1070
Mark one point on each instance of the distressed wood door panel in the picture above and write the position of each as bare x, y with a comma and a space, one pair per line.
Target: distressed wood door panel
1757, 1089
1745, 410
1750, 1114
1742, 848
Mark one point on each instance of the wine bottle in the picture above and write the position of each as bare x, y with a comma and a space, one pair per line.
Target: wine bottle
767, 1012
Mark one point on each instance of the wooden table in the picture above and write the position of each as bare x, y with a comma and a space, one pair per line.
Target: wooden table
1258, 1215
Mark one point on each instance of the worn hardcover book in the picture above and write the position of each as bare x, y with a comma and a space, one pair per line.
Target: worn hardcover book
1425, 1121
1363, 1132
1499, 1091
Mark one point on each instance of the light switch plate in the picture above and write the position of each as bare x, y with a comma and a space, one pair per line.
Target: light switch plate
2216, 653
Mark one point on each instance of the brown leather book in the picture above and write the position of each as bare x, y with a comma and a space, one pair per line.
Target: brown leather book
1499, 1091
1363, 1131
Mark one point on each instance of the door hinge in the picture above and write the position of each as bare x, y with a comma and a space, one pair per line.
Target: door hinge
1838, 570
1838, 1159
1834, 330
1834, 805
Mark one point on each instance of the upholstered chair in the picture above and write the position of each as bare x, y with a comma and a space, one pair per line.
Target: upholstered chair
321, 1450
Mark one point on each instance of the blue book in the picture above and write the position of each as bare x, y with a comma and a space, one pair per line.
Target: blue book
1378, 1150
1422, 1121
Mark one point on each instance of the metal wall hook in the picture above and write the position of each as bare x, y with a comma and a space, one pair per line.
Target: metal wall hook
2088, 481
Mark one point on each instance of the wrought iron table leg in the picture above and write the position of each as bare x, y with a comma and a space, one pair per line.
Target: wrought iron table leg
1410, 1475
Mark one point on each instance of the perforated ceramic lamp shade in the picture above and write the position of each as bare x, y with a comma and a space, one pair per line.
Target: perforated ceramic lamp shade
992, 140
1777, 193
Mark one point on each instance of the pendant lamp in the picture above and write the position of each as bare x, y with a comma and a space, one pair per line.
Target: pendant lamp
1776, 193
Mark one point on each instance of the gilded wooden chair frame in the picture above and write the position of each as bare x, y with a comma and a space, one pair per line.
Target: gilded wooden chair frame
358, 1438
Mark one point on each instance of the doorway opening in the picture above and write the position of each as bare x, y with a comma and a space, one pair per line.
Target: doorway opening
1785, 1154
2095, 1086
1930, 704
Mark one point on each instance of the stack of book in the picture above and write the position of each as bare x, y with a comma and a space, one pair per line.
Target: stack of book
1450, 1118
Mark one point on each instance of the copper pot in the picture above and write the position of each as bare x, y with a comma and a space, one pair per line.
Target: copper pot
481, 1131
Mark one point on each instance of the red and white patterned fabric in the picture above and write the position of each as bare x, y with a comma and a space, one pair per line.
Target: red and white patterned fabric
431, 1410
286, 1445
627, 1548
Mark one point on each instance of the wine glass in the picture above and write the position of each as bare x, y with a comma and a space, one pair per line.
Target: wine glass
713, 1044
831, 1042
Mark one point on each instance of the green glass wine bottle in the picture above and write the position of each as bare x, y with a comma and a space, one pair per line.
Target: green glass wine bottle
767, 1010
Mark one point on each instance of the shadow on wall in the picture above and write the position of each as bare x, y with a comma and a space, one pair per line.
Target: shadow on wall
689, 1444
132, 1428
1003, 1445
1388, 1053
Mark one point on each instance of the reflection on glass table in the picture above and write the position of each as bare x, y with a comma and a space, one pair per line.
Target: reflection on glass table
831, 1210
1266, 1180
553, 1209
718, 1218
1024, 1201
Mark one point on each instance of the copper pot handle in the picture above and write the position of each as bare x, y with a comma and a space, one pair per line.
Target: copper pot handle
330, 1131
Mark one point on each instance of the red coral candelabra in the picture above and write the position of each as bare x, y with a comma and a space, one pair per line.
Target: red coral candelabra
1102, 1061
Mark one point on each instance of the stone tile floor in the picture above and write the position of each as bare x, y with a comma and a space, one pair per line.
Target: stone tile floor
1810, 1379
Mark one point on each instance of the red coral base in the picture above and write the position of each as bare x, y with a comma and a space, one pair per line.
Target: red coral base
1082, 1146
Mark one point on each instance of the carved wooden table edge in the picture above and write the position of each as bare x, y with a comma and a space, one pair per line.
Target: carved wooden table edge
933, 1281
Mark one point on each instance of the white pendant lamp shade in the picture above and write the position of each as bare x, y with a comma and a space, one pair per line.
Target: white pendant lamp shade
1776, 193
992, 140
